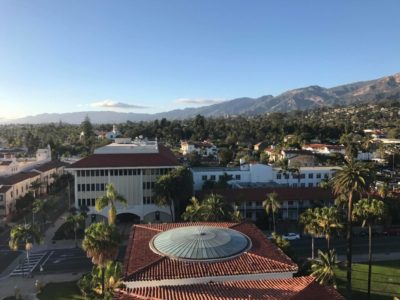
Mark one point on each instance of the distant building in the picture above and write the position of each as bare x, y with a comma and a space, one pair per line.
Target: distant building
11, 164
293, 201
133, 167
249, 175
111, 135
205, 148
261, 146
15, 186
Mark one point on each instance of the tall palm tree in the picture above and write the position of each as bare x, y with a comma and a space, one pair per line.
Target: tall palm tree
110, 199
352, 178
271, 205
215, 208
328, 220
383, 190
311, 227
28, 234
101, 243
369, 212
76, 221
323, 268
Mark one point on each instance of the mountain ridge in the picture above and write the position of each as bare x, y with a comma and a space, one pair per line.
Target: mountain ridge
305, 98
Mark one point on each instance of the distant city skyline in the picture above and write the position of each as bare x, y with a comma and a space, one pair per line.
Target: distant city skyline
155, 56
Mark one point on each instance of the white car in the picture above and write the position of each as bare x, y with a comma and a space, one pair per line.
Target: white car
291, 236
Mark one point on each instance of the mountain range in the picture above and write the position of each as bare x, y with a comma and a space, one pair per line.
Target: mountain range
385, 88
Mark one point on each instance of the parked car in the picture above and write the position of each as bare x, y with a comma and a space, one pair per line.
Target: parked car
291, 236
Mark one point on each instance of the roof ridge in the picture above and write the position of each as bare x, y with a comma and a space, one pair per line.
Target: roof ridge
147, 227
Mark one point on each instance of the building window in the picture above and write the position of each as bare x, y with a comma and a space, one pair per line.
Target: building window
318, 175
83, 187
249, 215
78, 173
102, 186
148, 185
311, 175
87, 187
204, 177
106, 172
286, 176
249, 204
212, 177
101, 172
93, 202
121, 172
278, 176
310, 184
97, 173
326, 176
302, 176
258, 203
1, 198
294, 184
79, 202
237, 177
290, 203
92, 173
79, 187
125, 172
97, 187
303, 184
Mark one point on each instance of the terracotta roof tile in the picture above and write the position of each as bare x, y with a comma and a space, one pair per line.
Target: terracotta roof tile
5, 188
141, 263
13, 179
51, 165
163, 158
299, 288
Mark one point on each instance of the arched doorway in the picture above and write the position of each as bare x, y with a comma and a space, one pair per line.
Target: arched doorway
125, 222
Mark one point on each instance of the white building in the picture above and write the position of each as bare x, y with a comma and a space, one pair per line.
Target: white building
259, 174
10, 164
132, 167
113, 134
205, 148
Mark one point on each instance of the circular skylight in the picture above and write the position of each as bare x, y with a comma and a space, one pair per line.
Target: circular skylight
200, 243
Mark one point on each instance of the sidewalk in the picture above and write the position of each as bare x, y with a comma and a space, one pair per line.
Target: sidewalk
26, 286
375, 257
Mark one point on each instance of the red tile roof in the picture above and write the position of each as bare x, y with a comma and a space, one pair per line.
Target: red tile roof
5, 188
5, 163
163, 158
141, 263
298, 288
51, 165
284, 194
13, 179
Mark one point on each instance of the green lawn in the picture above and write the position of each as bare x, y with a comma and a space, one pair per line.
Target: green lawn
61, 291
6, 258
385, 280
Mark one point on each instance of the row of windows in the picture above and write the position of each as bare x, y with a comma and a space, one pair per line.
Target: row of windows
148, 200
214, 177
86, 202
121, 172
148, 185
302, 176
91, 187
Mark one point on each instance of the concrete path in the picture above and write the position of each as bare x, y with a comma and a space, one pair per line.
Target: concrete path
26, 286
375, 257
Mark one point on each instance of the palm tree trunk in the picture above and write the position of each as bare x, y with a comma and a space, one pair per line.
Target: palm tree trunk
172, 214
349, 238
103, 270
369, 260
273, 220
312, 248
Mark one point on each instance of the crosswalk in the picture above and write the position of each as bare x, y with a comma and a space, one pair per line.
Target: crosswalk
26, 267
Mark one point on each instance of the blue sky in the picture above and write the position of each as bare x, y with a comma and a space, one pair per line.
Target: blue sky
150, 56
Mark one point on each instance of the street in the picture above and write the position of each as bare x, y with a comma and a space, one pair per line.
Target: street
381, 244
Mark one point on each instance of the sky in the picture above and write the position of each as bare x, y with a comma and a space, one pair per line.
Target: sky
150, 56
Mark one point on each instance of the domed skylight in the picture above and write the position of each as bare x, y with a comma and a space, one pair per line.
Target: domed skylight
200, 243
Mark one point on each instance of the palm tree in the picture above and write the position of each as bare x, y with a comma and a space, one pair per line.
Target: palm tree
328, 220
24, 233
352, 178
369, 212
215, 208
110, 199
383, 190
101, 243
271, 205
193, 210
311, 227
323, 268
76, 221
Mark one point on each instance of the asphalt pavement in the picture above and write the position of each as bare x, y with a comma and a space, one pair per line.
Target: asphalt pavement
380, 244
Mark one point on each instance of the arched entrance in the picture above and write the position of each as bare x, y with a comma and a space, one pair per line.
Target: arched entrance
125, 222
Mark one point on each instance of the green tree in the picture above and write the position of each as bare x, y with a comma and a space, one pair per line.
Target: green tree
174, 189
328, 219
225, 156
110, 199
369, 212
352, 178
193, 211
311, 227
26, 234
271, 205
101, 243
75, 222
215, 208
323, 268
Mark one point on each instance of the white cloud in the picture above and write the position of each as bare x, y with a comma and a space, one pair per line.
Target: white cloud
115, 104
198, 101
